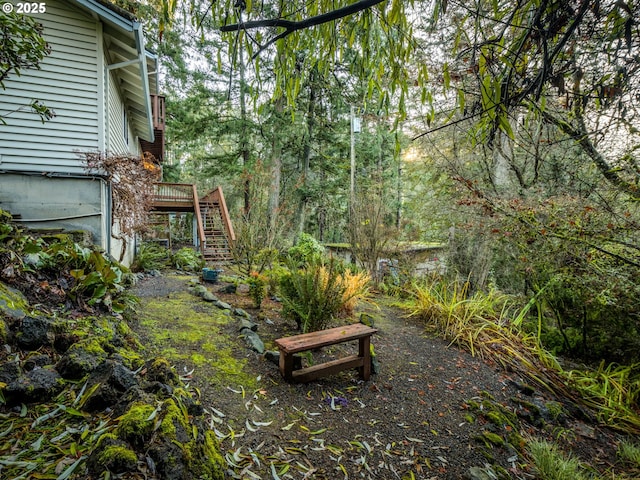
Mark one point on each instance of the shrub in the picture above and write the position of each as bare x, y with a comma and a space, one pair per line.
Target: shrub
151, 256
274, 276
188, 259
306, 249
257, 288
312, 295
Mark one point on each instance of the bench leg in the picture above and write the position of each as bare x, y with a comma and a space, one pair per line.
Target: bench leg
286, 365
365, 353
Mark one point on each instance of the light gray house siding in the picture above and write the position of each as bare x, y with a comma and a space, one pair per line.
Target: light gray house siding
97, 67
116, 134
26, 144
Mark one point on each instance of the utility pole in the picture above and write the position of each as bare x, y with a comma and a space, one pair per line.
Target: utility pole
355, 128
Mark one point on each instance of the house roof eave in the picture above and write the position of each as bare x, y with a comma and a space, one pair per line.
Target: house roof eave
124, 22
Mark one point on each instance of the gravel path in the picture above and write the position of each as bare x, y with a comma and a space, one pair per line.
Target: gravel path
425, 415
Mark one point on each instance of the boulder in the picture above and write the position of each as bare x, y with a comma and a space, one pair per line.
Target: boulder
209, 297
253, 340
239, 312
34, 333
36, 361
244, 323
81, 358
114, 380
38, 385
222, 305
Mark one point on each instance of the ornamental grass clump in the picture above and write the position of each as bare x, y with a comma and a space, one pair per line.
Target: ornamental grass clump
552, 464
356, 287
488, 325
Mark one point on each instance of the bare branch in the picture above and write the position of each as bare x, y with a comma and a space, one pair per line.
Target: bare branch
290, 27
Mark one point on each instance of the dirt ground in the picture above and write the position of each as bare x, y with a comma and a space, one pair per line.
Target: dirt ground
432, 412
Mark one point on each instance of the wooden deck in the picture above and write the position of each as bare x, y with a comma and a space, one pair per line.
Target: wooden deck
215, 231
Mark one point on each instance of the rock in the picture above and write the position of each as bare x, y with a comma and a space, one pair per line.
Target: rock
253, 340
375, 365
267, 321
113, 455
230, 289
9, 371
155, 273
34, 333
479, 473
242, 288
209, 297
200, 290
239, 312
222, 305
81, 358
367, 319
38, 385
36, 361
244, 323
13, 303
160, 370
274, 357
114, 379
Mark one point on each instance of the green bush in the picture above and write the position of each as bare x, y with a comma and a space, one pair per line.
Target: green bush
188, 259
151, 256
257, 288
312, 295
306, 249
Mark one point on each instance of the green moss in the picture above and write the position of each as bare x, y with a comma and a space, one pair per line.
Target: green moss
118, 458
182, 324
555, 409
135, 426
90, 345
173, 417
214, 464
500, 419
493, 438
486, 394
3, 331
12, 302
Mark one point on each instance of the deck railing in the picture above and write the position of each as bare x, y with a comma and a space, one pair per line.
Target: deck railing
174, 192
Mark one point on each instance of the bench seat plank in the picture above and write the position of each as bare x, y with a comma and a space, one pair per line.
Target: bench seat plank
322, 338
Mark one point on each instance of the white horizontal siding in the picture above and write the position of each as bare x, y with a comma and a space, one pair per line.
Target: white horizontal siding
68, 84
116, 133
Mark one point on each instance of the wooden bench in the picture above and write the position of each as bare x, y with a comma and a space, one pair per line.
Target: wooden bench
332, 336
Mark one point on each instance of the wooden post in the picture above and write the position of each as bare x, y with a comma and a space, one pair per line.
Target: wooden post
365, 353
286, 365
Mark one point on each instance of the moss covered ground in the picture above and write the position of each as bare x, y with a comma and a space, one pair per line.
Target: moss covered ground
194, 334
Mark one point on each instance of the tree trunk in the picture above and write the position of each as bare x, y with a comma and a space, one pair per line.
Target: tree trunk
276, 173
306, 152
244, 140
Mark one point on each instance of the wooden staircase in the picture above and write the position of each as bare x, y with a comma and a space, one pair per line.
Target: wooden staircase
215, 231
217, 228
